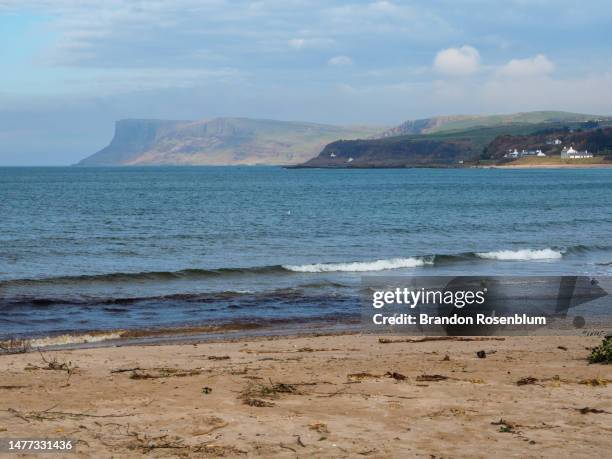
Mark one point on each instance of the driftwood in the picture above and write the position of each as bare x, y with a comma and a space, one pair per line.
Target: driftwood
440, 338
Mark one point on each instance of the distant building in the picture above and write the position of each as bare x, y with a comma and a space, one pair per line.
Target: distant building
540, 154
570, 153
350, 160
512, 154
520, 154
333, 155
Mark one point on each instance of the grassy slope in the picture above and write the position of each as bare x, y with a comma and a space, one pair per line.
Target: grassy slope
518, 118
221, 141
395, 151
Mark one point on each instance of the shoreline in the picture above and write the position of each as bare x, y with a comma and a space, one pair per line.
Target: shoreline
458, 166
173, 335
548, 166
325, 396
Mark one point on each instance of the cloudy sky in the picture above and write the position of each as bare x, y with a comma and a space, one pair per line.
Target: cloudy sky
68, 69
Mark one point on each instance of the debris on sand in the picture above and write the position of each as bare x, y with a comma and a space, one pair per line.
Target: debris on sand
164, 372
214, 423
439, 338
506, 426
594, 382
218, 357
255, 392
526, 381
146, 444
432, 378
395, 375
587, 410
257, 402
53, 364
361, 376
49, 415
481, 354
320, 427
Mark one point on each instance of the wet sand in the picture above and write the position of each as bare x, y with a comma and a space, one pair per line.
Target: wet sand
318, 396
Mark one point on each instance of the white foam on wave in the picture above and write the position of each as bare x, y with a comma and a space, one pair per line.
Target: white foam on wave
74, 339
522, 255
359, 266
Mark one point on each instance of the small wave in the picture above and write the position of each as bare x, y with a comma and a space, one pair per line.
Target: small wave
522, 255
152, 276
72, 339
359, 266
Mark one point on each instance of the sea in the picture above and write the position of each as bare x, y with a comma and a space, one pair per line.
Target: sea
93, 254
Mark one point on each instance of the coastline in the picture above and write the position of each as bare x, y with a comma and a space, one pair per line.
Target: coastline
227, 332
549, 166
337, 395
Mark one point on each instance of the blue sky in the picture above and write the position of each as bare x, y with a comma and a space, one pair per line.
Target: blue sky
68, 69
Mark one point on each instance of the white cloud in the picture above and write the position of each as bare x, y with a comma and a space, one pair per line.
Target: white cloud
535, 66
311, 43
458, 61
297, 43
340, 61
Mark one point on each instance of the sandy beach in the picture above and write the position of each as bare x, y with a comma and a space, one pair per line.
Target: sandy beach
322, 396
550, 166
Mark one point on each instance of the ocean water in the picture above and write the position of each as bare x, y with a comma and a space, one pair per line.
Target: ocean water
91, 249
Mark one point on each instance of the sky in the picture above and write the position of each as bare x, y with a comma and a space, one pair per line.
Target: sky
69, 69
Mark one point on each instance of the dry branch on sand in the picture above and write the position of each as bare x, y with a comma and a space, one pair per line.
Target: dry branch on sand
253, 394
49, 415
439, 338
431, 378
56, 365
163, 372
145, 443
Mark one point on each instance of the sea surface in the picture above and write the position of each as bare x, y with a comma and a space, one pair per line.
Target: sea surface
85, 250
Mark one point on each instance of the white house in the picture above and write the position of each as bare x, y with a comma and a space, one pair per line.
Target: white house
570, 153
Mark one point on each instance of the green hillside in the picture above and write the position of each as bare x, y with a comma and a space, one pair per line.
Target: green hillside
444, 148
463, 122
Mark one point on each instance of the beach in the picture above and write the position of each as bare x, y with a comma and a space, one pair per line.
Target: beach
343, 395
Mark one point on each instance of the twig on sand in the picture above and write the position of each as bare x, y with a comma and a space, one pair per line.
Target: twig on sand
299, 441
434, 378
163, 372
287, 447
48, 415
124, 370
440, 338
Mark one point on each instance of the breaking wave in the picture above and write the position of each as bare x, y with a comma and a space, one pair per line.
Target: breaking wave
62, 340
359, 266
327, 267
521, 255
